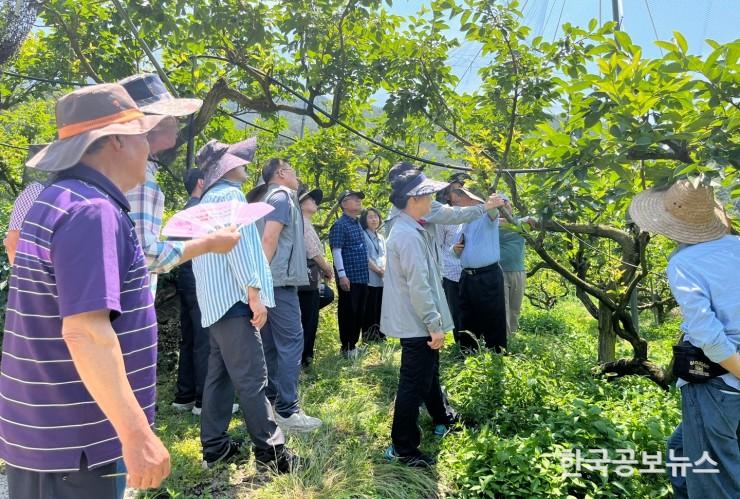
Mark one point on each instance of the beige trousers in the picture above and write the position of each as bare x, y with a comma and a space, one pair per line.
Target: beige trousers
514, 293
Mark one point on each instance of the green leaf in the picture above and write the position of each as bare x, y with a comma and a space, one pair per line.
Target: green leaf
624, 40
644, 140
666, 45
681, 41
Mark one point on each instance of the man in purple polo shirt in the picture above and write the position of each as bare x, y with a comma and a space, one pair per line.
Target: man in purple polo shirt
78, 372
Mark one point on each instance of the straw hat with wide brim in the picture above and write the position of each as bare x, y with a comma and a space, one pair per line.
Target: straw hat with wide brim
152, 96
84, 116
685, 212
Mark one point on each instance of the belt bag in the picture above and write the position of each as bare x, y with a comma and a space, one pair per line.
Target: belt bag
692, 365
314, 276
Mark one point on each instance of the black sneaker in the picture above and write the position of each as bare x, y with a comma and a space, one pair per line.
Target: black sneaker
418, 461
286, 462
232, 451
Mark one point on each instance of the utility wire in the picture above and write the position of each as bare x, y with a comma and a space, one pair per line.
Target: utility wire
336, 121
46, 80
547, 20
557, 26
465, 73
242, 120
81, 84
655, 31
11, 146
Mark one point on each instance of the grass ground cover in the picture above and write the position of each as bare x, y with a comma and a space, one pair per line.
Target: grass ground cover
521, 411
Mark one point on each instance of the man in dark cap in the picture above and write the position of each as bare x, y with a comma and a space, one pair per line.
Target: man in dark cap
351, 268
192, 363
317, 294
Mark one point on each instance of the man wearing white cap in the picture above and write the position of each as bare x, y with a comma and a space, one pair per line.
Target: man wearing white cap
704, 275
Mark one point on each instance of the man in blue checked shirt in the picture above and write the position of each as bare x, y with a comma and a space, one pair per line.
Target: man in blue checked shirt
704, 275
147, 200
347, 242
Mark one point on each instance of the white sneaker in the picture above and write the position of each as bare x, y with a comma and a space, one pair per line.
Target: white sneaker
187, 406
298, 422
196, 410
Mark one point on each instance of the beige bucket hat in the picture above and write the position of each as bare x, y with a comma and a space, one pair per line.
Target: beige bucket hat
87, 114
684, 212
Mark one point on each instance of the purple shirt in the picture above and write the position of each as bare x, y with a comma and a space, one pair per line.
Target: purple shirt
77, 253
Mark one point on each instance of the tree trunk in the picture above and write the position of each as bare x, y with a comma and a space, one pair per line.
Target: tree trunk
607, 335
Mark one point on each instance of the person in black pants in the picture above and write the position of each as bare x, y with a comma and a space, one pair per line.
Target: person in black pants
192, 364
350, 261
370, 221
482, 301
416, 312
317, 294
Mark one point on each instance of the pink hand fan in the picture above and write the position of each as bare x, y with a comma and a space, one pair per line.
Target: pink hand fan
202, 219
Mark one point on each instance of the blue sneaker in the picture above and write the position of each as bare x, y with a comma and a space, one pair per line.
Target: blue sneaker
440, 431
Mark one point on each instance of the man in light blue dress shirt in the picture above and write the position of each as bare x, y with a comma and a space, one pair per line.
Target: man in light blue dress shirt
704, 275
482, 304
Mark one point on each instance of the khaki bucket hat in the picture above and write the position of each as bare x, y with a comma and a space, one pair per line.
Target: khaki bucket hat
684, 212
87, 114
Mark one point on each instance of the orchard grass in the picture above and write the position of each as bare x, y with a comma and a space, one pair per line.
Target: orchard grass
520, 411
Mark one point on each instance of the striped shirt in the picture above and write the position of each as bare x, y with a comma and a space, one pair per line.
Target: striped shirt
221, 280
77, 253
147, 207
23, 203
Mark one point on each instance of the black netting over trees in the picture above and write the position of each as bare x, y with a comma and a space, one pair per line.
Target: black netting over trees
16, 19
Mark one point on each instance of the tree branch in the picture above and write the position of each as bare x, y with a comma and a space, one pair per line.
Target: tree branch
75, 44
621, 237
571, 277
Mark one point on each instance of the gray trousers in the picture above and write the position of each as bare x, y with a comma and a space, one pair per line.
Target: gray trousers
282, 338
25, 484
237, 363
514, 294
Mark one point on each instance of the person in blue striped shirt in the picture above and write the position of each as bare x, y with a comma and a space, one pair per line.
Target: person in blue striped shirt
234, 291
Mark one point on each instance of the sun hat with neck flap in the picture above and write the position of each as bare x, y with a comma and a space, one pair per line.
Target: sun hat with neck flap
685, 212
216, 159
84, 116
